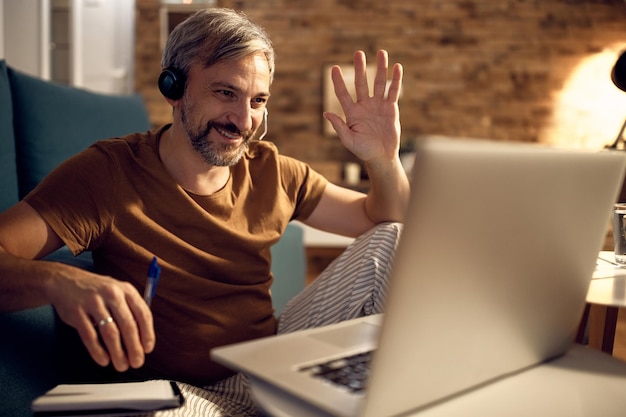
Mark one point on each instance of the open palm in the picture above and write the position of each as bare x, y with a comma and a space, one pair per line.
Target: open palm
371, 130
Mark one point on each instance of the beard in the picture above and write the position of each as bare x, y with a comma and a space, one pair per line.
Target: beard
213, 153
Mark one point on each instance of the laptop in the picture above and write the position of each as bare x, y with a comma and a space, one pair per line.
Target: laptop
490, 278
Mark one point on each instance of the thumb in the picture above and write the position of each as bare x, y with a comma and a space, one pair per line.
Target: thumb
337, 122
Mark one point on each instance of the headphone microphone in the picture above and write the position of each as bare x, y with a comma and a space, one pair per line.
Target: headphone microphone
264, 125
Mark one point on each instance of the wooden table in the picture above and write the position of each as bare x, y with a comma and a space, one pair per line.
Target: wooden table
607, 293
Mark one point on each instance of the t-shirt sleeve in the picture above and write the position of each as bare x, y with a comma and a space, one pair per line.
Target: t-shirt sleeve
304, 183
73, 199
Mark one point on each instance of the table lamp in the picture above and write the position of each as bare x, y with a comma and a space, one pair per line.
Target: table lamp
618, 73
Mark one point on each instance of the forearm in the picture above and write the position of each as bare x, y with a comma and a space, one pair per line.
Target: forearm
26, 283
388, 196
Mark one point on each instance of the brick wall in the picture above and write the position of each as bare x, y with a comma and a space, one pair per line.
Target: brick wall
480, 68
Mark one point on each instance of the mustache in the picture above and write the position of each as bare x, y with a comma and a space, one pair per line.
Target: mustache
230, 128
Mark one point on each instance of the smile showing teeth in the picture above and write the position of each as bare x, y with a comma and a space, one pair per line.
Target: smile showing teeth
228, 134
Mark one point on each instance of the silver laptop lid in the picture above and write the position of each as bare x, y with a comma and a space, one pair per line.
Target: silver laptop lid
491, 274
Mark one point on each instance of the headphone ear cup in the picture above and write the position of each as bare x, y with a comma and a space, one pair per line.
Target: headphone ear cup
172, 83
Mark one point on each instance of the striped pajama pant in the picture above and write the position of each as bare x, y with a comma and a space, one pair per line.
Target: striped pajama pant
352, 286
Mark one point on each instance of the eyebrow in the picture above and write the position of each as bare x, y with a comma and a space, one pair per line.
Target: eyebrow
221, 84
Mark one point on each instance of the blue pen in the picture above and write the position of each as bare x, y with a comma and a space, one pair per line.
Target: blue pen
153, 279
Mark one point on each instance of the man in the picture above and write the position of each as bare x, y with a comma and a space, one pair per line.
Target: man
205, 200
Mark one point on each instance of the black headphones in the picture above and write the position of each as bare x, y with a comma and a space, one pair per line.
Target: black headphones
172, 83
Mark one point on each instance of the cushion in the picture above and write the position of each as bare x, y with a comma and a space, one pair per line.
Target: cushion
27, 354
53, 122
8, 169
288, 267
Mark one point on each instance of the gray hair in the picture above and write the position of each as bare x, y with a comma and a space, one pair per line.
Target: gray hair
213, 35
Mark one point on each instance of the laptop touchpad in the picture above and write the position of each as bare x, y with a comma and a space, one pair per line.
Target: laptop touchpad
353, 335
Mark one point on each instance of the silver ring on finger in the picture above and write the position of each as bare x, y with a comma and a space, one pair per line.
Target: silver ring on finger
105, 321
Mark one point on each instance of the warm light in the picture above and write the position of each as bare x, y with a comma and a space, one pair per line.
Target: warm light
590, 109
200, 2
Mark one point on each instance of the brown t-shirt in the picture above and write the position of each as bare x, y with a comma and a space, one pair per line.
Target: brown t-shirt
117, 200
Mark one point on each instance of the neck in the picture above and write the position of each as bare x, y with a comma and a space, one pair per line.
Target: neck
188, 168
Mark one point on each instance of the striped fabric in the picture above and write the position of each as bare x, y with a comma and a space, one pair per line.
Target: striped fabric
353, 285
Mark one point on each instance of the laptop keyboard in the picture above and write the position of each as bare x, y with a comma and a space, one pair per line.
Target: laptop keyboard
350, 372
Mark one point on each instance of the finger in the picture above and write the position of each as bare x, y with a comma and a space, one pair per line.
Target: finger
131, 351
134, 322
107, 311
144, 320
89, 336
360, 76
380, 81
337, 122
396, 83
110, 335
341, 91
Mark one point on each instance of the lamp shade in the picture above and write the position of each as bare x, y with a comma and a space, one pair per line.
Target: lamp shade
618, 74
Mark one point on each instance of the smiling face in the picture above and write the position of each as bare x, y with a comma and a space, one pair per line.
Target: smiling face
223, 106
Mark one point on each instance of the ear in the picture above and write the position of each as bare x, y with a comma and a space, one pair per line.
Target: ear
172, 102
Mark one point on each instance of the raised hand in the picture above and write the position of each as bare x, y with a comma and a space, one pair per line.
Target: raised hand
371, 129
